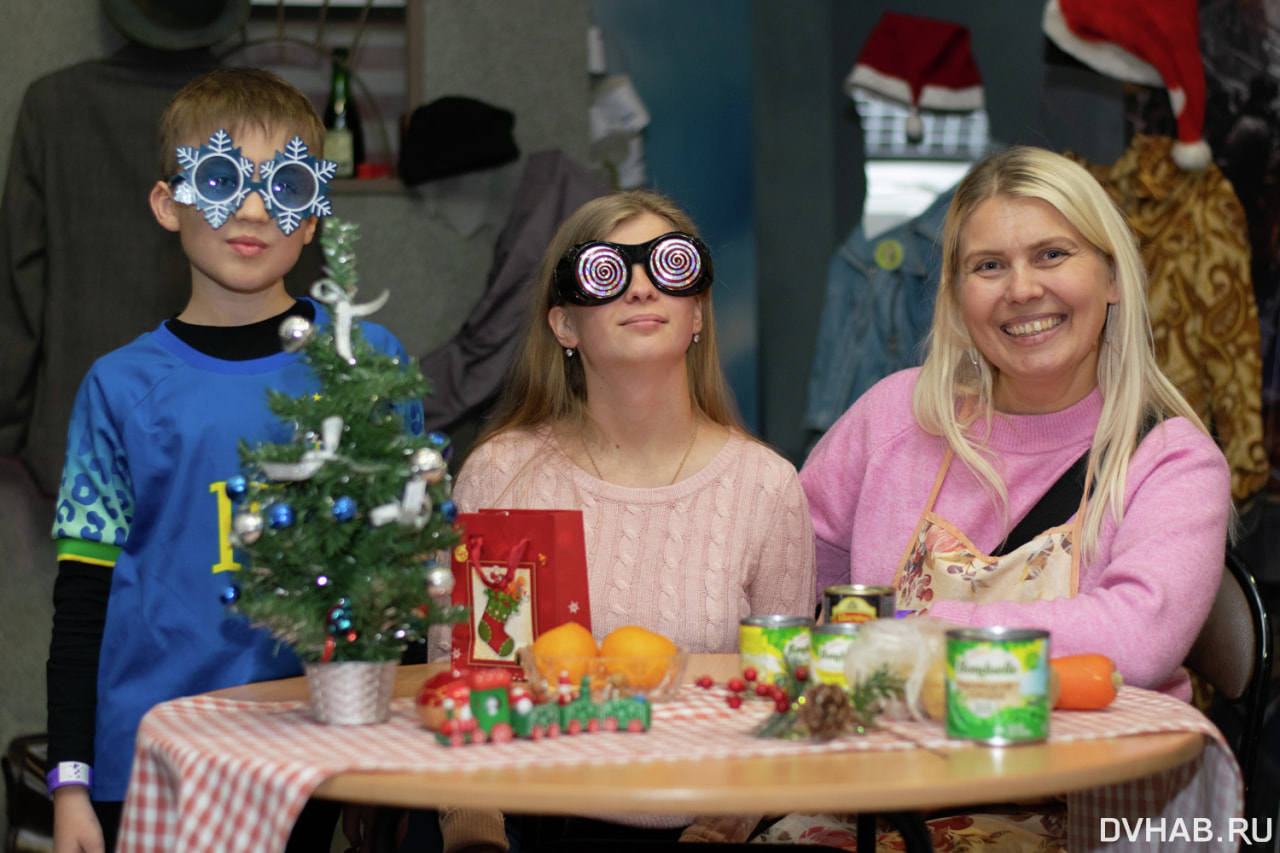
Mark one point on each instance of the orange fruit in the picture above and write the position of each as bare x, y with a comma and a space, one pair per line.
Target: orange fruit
640, 656
565, 648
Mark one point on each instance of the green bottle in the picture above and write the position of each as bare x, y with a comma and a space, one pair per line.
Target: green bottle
344, 140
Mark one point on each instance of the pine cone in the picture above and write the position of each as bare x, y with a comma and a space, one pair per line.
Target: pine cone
826, 712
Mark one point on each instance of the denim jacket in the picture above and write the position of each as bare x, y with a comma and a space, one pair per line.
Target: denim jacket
877, 311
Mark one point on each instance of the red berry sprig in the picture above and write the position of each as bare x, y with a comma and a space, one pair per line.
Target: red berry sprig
739, 687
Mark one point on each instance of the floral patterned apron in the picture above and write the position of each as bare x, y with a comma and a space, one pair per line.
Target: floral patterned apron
941, 563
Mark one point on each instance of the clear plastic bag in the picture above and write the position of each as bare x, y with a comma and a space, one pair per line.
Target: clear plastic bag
910, 646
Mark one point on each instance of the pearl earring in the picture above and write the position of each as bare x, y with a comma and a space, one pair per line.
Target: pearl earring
568, 352
973, 359
695, 337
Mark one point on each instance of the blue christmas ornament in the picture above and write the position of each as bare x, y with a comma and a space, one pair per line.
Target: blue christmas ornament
237, 487
280, 516
441, 442
344, 508
230, 594
449, 510
339, 621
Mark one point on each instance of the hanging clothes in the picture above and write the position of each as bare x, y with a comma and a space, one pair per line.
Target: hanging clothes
467, 370
877, 311
1195, 243
84, 268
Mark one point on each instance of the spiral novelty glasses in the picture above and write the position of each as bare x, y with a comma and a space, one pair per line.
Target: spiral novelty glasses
598, 271
217, 180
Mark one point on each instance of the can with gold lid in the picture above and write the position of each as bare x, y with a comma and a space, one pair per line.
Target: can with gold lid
857, 603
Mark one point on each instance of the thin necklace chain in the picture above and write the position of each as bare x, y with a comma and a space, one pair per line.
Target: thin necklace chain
683, 459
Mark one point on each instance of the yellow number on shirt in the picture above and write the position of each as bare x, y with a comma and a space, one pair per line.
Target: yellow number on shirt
226, 560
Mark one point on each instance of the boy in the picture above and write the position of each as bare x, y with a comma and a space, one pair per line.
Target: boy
142, 514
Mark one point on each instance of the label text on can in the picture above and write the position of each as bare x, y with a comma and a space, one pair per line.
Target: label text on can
998, 685
857, 603
770, 644
829, 646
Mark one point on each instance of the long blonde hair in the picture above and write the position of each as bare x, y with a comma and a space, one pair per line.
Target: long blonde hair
543, 386
1133, 387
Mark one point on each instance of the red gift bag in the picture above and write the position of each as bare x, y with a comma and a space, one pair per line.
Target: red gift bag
521, 572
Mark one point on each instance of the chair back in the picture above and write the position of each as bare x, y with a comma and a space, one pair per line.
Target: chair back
1233, 654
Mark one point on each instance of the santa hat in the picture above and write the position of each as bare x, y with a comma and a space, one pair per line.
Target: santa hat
1152, 42
920, 62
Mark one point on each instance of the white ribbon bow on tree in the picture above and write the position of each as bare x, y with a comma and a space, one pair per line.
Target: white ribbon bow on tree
412, 509
313, 460
331, 293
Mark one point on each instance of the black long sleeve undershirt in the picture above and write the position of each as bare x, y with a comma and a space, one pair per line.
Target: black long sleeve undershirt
82, 591
80, 596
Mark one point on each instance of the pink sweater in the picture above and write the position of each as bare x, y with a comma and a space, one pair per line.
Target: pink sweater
1144, 596
688, 560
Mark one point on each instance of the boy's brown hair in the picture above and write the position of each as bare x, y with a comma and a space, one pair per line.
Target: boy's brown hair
231, 99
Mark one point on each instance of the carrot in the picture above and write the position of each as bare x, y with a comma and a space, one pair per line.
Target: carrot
1087, 682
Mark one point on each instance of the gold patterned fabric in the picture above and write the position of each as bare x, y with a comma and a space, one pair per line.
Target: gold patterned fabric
1195, 243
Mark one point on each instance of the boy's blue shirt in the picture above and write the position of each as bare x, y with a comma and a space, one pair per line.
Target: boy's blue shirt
154, 434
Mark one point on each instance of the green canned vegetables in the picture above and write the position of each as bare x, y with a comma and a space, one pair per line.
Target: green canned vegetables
769, 644
998, 685
829, 645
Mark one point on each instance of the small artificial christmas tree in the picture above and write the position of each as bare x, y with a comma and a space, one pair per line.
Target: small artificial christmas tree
343, 525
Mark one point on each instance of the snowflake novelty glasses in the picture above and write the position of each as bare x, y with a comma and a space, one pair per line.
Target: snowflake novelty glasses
217, 180
598, 271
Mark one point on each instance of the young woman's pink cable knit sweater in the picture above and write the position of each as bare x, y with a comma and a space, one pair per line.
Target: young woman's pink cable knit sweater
688, 560
1144, 595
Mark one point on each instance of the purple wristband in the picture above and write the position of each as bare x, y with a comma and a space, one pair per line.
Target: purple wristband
69, 773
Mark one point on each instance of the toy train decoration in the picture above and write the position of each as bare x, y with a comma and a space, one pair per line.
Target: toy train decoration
486, 705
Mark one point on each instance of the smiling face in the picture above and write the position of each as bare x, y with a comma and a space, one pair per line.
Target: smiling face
249, 255
642, 325
1033, 294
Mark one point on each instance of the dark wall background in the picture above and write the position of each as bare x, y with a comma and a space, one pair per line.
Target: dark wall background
695, 79
752, 132
808, 170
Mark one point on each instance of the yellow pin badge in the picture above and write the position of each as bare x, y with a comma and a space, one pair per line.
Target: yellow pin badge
889, 254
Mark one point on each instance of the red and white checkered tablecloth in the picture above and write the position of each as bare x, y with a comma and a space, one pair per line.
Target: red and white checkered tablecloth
1153, 813
217, 774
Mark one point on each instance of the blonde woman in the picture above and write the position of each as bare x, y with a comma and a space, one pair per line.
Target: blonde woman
1038, 470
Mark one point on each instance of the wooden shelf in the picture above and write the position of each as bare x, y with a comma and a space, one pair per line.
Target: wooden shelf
374, 186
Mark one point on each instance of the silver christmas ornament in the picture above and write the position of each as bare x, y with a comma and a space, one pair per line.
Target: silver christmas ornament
296, 332
439, 581
429, 464
246, 527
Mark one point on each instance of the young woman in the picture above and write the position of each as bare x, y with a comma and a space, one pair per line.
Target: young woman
617, 405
